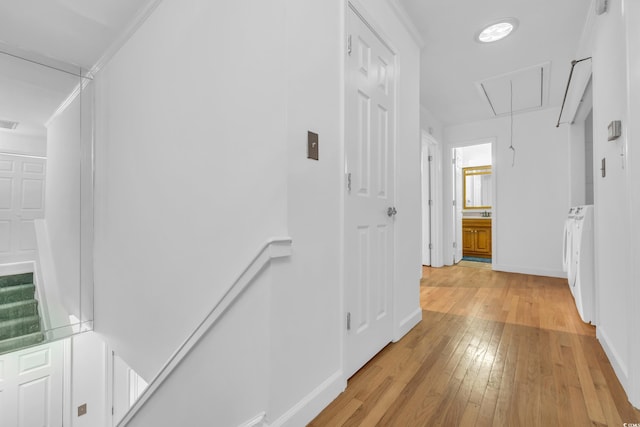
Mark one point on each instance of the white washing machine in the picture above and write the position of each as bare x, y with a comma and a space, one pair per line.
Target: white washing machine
580, 263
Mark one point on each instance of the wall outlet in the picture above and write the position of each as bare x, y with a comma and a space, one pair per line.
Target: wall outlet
82, 409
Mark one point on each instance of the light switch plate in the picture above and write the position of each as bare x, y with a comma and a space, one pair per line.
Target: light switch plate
615, 130
312, 145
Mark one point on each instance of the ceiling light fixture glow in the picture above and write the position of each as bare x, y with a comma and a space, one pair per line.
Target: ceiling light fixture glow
497, 30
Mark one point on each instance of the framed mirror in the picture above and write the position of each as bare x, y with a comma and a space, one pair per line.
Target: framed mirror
46, 198
477, 187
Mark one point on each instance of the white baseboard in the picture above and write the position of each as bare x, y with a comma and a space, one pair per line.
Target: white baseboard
407, 324
616, 361
312, 404
527, 270
257, 421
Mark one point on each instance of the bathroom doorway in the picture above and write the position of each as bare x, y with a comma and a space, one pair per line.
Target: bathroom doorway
474, 202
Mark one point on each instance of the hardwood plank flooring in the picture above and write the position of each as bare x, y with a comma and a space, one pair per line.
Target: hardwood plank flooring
493, 349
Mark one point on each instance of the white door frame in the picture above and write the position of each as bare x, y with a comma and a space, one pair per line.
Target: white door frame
431, 147
360, 10
448, 223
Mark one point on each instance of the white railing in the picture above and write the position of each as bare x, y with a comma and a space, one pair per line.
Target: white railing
273, 248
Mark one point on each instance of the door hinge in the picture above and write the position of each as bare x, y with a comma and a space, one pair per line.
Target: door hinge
430, 158
453, 161
454, 203
430, 202
349, 45
430, 246
112, 411
348, 321
455, 245
349, 182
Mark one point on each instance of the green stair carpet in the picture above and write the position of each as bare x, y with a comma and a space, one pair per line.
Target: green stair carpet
19, 318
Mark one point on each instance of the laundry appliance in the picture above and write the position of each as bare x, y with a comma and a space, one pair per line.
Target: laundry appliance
578, 258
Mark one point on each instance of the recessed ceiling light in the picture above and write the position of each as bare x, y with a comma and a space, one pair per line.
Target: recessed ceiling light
497, 31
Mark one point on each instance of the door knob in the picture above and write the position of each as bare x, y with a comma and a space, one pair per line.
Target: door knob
391, 211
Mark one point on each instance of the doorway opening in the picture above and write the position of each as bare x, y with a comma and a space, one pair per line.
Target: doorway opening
431, 169
473, 202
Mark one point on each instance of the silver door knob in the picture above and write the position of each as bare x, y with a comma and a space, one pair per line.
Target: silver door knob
391, 211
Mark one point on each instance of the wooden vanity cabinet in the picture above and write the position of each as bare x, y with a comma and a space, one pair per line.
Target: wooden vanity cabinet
476, 237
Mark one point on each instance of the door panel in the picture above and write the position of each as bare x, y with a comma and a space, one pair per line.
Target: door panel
468, 240
31, 387
369, 238
483, 240
22, 189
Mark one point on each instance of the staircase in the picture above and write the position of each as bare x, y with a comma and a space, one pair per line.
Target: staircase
19, 318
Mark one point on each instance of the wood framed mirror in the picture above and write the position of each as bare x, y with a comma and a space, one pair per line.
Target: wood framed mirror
477, 187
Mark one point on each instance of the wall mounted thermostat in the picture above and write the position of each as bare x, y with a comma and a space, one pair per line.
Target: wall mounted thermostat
615, 130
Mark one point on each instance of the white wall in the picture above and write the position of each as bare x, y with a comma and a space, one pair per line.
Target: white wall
430, 123
201, 155
88, 380
476, 155
191, 168
63, 201
28, 145
306, 325
617, 326
224, 380
532, 197
632, 17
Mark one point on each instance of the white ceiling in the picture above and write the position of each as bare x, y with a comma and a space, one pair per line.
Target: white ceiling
79, 32
453, 63
68, 34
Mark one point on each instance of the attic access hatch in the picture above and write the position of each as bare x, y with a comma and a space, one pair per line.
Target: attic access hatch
530, 90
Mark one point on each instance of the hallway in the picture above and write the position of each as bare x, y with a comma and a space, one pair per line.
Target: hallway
492, 349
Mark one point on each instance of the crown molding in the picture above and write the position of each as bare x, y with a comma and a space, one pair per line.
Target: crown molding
135, 24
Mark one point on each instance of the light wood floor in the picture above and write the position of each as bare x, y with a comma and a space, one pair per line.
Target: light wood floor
493, 349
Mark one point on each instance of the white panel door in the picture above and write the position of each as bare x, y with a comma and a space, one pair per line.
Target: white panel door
369, 230
22, 181
31, 387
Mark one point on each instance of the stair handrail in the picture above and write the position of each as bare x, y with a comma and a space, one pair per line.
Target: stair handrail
276, 247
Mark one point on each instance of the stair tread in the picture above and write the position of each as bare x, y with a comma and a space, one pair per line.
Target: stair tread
16, 343
10, 305
19, 320
13, 288
18, 309
15, 279
17, 293
19, 327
